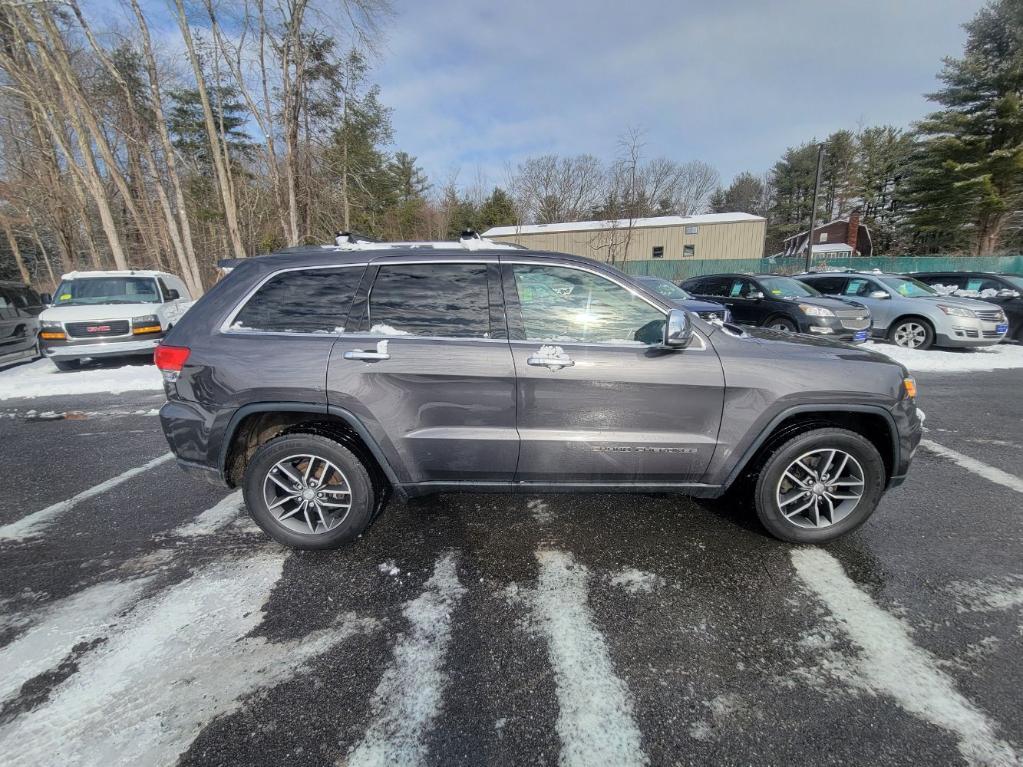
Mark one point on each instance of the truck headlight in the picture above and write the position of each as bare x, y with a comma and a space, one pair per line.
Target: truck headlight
815, 311
148, 323
957, 311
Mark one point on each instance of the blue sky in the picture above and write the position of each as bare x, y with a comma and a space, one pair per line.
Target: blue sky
475, 85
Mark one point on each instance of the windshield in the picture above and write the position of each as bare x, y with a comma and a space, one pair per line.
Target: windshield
666, 289
1016, 282
107, 290
908, 287
786, 287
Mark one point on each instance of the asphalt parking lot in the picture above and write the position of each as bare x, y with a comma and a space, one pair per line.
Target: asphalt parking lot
146, 621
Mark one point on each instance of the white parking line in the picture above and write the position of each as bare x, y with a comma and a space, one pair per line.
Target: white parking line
82, 617
36, 522
178, 661
596, 723
890, 663
989, 473
213, 519
409, 694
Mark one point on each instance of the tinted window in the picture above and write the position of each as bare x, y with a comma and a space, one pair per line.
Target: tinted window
561, 305
306, 301
829, 285
444, 300
860, 287
711, 286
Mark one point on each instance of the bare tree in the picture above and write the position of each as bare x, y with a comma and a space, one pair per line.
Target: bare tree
549, 188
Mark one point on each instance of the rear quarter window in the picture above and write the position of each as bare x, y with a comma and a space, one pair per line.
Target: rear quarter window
301, 301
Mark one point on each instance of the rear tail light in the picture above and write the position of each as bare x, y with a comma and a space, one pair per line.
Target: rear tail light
170, 360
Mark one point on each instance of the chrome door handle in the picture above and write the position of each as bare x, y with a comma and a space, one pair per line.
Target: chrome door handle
380, 354
551, 363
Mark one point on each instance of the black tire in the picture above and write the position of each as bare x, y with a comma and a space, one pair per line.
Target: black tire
363, 496
780, 460
66, 365
904, 325
783, 324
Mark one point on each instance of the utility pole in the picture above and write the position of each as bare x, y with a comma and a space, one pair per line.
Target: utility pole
813, 207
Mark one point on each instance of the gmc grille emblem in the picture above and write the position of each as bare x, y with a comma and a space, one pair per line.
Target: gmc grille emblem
97, 328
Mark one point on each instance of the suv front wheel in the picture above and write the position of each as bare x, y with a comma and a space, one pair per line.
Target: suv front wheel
308, 492
819, 485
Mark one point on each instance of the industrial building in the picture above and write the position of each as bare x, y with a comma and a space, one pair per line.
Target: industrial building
672, 238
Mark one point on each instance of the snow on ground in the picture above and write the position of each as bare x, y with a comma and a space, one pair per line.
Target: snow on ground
42, 379
999, 357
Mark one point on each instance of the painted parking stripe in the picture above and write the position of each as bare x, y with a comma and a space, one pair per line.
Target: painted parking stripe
989, 473
213, 519
35, 523
596, 723
890, 663
408, 697
175, 663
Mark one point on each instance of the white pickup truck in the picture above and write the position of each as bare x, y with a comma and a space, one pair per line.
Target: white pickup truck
105, 314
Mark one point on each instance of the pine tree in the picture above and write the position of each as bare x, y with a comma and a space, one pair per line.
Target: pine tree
497, 210
967, 168
838, 174
744, 195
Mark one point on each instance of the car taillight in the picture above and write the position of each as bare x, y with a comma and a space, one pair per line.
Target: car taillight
170, 360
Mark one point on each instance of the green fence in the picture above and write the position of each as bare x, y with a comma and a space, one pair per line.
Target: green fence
681, 270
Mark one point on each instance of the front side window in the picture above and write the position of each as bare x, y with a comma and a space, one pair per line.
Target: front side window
439, 300
301, 301
829, 285
562, 305
85, 291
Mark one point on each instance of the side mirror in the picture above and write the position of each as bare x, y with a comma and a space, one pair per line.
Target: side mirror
757, 295
46, 298
878, 294
678, 330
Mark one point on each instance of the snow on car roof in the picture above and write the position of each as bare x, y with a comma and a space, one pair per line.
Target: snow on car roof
623, 223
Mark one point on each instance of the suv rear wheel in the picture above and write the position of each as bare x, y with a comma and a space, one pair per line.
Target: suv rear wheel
912, 333
819, 485
308, 492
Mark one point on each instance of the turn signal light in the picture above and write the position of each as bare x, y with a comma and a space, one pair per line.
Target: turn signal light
910, 384
53, 335
171, 359
146, 329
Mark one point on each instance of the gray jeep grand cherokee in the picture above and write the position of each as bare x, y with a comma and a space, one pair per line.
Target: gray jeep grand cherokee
323, 379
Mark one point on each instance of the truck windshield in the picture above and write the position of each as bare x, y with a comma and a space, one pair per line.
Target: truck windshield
907, 286
107, 290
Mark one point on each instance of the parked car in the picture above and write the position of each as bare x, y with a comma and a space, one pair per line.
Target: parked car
1004, 290
20, 307
911, 314
107, 314
320, 381
708, 310
785, 304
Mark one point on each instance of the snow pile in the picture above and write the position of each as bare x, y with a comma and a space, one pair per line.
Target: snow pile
934, 360
42, 379
637, 581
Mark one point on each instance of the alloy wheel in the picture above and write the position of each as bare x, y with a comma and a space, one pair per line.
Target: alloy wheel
820, 488
910, 335
307, 494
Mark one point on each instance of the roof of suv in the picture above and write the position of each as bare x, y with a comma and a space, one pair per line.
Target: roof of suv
326, 255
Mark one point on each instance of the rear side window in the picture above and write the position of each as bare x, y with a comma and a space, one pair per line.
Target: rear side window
711, 286
828, 285
440, 300
306, 301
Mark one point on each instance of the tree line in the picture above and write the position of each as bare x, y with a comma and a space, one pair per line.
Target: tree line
246, 126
